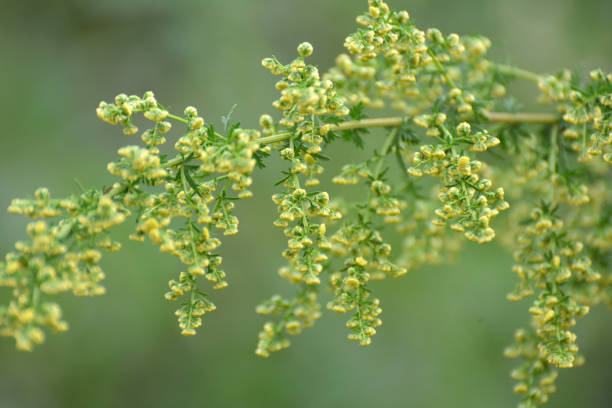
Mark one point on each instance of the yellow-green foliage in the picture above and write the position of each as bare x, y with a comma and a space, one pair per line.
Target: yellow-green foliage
458, 155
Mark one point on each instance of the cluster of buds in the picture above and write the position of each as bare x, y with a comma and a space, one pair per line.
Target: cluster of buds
595, 226
442, 82
191, 185
561, 251
351, 293
192, 243
381, 201
42, 206
60, 256
366, 258
303, 93
387, 52
465, 196
384, 203
190, 313
570, 190
395, 61
138, 163
122, 111
480, 141
460, 64
356, 80
590, 120
197, 132
297, 314
391, 35
555, 87
587, 112
306, 245
425, 243
549, 261
304, 99
536, 376
306, 239
23, 323
352, 174
532, 175
365, 251
233, 156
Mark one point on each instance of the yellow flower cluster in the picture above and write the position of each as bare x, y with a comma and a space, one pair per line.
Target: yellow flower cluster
60, 256
587, 113
536, 377
189, 314
531, 176
401, 45
359, 239
209, 164
303, 93
123, 109
305, 101
296, 211
395, 61
350, 174
425, 243
42, 207
232, 155
561, 253
306, 244
296, 314
138, 163
447, 93
465, 196
594, 225
547, 260
365, 253
356, 243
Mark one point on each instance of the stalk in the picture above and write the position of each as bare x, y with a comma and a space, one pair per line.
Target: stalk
495, 117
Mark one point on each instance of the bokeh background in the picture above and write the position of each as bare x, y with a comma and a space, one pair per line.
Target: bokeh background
444, 327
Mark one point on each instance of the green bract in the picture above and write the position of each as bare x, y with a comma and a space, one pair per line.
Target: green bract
551, 171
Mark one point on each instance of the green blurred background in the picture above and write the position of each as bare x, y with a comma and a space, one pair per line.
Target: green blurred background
444, 327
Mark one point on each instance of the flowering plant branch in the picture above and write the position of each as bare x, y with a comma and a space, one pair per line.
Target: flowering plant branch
435, 174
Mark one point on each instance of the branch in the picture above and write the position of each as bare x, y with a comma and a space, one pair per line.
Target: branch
526, 117
497, 117
517, 72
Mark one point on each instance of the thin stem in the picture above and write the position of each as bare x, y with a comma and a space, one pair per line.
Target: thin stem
496, 117
171, 116
381, 161
441, 69
191, 302
400, 160
554, 151
220, 198
552, 160
296, 180
35, 292
524, 117
517, 72
385, 150
447, 133
279, 137
117, 190
368, 123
